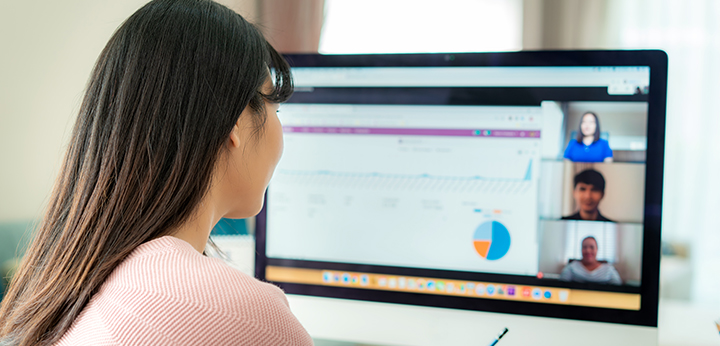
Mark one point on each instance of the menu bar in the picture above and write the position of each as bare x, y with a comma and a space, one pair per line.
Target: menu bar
550, 76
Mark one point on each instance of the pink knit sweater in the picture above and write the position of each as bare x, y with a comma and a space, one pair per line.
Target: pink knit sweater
166, 293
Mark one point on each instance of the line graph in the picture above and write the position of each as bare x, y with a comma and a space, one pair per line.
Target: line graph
405, 182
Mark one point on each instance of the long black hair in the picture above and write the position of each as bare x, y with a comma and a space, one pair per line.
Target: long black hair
581, 136
161, 102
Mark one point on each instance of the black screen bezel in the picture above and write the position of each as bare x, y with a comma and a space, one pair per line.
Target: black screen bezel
656, 98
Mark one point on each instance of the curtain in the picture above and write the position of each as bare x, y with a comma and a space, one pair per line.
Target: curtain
292, 26
564, 24
690, 34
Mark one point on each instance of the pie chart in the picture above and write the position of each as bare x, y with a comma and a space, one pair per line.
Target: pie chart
492, 240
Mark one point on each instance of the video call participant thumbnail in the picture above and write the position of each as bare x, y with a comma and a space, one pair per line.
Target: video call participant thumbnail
589, 269
588, 191
588, 146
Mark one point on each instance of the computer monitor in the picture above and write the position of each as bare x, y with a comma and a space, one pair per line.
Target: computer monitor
430, 199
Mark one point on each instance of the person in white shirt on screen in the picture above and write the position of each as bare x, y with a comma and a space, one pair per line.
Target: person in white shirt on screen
589, 269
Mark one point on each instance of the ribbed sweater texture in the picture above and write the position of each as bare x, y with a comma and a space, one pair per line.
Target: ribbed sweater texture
167, 293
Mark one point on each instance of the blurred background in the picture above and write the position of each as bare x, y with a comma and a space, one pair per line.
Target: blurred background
47, 49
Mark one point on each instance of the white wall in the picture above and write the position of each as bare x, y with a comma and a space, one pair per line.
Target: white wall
552, 239
47, 50
553, 189
630, 244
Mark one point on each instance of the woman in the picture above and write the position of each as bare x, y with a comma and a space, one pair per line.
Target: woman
177, 129
589, 269
588, 146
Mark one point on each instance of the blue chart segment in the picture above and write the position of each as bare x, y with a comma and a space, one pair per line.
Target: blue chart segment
492, 240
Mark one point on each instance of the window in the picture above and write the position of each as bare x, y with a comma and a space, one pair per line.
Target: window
415, 26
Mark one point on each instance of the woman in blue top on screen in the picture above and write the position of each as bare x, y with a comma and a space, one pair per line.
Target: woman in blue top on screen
588, 146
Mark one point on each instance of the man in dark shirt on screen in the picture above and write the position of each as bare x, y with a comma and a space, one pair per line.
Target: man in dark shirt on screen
588, 191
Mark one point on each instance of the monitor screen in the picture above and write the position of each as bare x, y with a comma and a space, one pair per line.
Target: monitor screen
523, 183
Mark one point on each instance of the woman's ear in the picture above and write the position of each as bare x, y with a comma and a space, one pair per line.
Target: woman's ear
235, 135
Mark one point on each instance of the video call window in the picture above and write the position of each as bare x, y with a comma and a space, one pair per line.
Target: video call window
592, 194
605, 131
612, 250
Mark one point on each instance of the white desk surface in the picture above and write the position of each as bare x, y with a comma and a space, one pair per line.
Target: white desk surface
683, 324
680, 324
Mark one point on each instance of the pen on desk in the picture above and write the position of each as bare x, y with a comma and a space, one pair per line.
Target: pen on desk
498, 338
717, 324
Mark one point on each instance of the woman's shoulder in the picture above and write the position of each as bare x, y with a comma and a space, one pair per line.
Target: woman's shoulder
570, 149
573, 268
170, 266
170, 291
607, 267
576, 266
